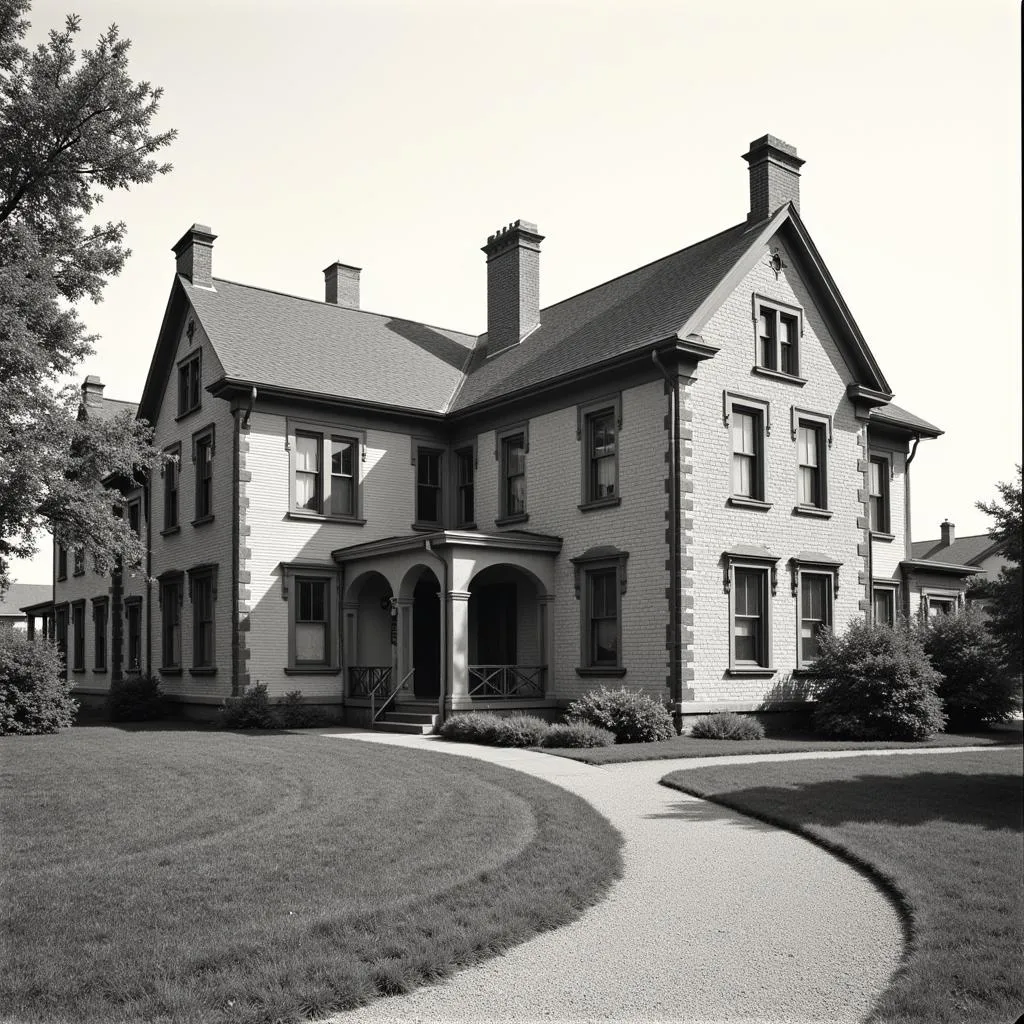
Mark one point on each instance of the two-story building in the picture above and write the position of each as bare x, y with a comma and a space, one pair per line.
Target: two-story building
671, 481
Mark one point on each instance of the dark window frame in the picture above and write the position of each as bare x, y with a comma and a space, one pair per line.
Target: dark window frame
171, 472
325, 433
293, 576
765, 566
770, 355
78, 635
811, 565
62, 561
101, 625
464, 455
61, 617
78, 564
603, 561
201, 577
133, 636
587, 417
503, 441
202, 441
422, 452
190, 384
172, 600
880, 521
890, 591
759, 409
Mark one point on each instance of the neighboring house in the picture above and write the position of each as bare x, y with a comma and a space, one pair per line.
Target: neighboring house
15, 601
978, 557
670, 481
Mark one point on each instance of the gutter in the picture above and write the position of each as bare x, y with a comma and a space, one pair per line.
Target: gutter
445, 660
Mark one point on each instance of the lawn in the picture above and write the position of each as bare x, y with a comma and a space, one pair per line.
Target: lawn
788, 743
943, 833
196, 876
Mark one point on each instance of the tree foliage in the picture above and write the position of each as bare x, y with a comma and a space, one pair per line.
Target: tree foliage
73, 126
1005, 595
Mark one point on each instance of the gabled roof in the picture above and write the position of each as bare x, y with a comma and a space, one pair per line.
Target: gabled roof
265, 337
111, 408
963, 551
23, 595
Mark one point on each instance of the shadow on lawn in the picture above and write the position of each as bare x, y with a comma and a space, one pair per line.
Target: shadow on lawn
989, 800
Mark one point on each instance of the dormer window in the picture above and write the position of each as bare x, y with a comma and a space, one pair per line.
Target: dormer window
778, 331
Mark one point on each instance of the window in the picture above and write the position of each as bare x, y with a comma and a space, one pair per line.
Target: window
78, 625
202, 457
79, 565
513, 446
750, 579
749, 422
883, 605
878, 494
99, 634
62, 562
171, 474
779, 329
600, 581
203, 592
190, 373
133, 617
311, 591
811, 460
465, 463
598, 431
936, 606
170, 622
815, 613
60, 633
135, 517
428, 485
324, 473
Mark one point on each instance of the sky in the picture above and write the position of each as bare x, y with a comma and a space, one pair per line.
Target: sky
396, 136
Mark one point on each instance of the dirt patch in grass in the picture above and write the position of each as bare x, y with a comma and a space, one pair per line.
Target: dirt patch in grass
791, 743
943, 832
193, 876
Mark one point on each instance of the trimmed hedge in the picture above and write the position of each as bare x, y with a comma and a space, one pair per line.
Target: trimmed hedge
35, 695
494, 730
577, 735
727, 725
631, 715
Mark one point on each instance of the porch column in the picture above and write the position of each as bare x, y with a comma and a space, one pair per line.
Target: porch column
546, 640
405, 614
457, 646
349, 633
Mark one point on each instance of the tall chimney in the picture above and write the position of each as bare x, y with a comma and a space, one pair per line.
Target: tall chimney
341, 285
948, 533
774, 176
513, 284
92, 393
194, 251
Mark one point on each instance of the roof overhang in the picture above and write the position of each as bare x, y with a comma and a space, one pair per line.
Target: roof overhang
940, 568
878, 418
512, 540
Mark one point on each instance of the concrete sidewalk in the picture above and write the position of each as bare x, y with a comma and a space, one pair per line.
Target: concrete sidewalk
717, 918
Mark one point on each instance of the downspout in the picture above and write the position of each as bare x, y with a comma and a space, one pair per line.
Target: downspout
445, 660
248, 412
675, 573
908, 548
146, 495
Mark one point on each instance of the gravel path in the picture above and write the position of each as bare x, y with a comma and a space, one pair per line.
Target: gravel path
717, 918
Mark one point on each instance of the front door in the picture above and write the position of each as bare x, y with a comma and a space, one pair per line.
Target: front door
426, 639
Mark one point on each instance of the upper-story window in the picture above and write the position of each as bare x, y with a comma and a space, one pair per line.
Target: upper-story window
171, 476
878, 494
749, 423
135, 516
78, 623
513, 446
598, 426
465, 505
79, 569
190, 375
62, 562
778, 331
202, 456
428, 485
324, 471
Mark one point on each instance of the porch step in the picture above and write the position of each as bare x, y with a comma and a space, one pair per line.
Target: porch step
409, 720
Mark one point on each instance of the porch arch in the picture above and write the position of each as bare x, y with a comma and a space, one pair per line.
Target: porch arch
367, 635
420, 631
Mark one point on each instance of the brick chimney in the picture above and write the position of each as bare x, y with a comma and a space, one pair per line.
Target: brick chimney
774, 176
92, 394
341, 285
513, 284
948, 533
194, 252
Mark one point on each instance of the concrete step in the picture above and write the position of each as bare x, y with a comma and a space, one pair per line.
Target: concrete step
415, 717
412, 728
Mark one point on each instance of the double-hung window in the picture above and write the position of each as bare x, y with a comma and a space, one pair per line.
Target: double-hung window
170, 623
750, 581
598, 431
78, 625
79, 569
203, 449
465, 465
779, 328
878, 494
600, 580
324, 471
513, 446
60, 631
428, 485
202, 581
813, 435
815, 584
133, 617
171, 473
190, 373
100, 608
883, 605
748, 422
62, 562
311, 591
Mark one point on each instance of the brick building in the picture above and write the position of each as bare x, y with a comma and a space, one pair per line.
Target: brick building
670, 481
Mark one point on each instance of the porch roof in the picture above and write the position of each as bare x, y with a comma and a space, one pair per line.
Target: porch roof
507, 540
922, 565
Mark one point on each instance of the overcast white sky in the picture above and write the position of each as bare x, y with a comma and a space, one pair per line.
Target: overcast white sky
398, 135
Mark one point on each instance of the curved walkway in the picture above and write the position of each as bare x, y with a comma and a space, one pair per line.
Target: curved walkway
717, 918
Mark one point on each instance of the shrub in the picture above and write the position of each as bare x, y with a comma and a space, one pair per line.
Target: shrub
471, 727
977, 688
876, 683
292, 713
727, 726
631, 715
578, 735
520, 731
136, 699
253, 710
35, 696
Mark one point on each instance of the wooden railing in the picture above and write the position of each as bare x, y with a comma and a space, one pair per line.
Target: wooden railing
506, 682
367, 680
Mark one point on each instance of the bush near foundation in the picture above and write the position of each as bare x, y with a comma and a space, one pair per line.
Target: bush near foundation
631, 715
252, 710
136, 699
577, 735
875, 682
494, 730
977, 689
35, 695
727, 725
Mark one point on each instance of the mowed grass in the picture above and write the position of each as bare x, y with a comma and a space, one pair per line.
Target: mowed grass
195, 876
943, 832
788, 743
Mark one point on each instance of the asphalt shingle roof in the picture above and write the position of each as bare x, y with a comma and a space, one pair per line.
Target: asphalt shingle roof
894, 414
963, 550
21, 595
112, 407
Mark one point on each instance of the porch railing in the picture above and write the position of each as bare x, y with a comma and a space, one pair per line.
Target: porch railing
380, 700
367, 680
506, 682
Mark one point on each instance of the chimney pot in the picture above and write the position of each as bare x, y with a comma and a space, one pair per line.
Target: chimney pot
774, 176
948, 533
513, 284
194, 253
341, 285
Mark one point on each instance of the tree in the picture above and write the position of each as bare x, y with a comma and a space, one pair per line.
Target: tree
72, 127
1004, 593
